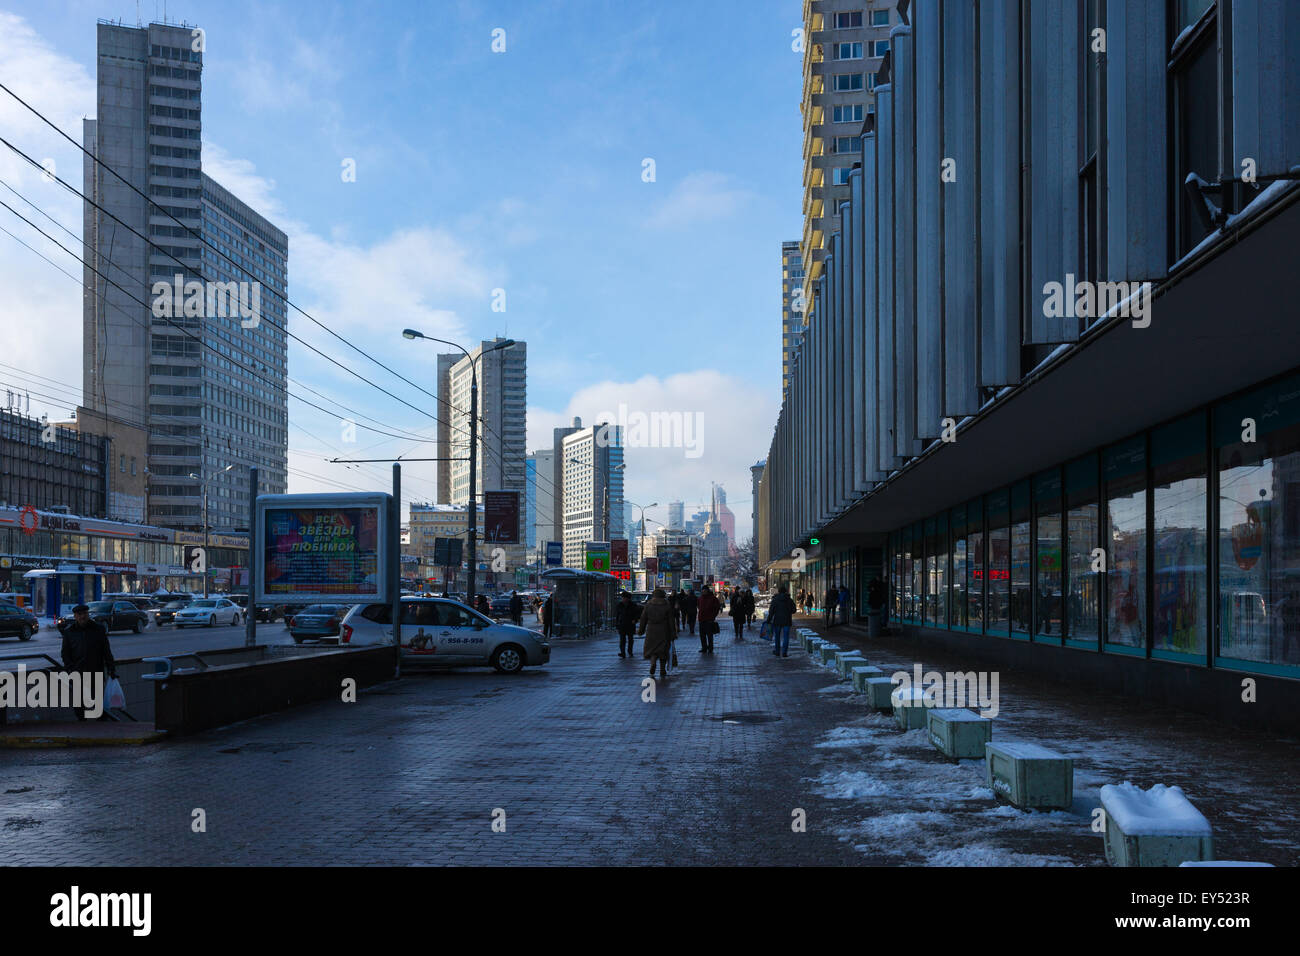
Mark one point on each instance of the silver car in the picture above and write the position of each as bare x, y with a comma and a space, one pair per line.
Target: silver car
437, 632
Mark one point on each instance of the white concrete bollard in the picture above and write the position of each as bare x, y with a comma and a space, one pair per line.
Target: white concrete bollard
1156, 827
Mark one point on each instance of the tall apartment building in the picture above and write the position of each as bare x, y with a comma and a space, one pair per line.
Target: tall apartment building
844, 41
792, 313
502, 400
557, 475
592, 460
205, 408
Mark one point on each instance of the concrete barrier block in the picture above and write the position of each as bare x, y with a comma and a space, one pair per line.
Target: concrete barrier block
1029, 776
812, 643
845, 661
1156, 827
861, 673
827, 651
909, 707
960, 734
879, 691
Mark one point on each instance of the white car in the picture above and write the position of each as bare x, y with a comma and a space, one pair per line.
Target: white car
207, 612
437, 632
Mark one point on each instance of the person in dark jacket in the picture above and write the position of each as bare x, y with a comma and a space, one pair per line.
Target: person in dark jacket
709, 606
736, 610
481, 605
749, 606
689, 605
780, 616
516, 609
832, 599
674, 602
625, 615
85, 648
547, 615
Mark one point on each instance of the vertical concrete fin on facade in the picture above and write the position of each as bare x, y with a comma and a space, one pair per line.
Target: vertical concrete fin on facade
906, 444
859, 381
998, 199
961, 342
887, 456
832, 393
1055, 54
842, 420
865, 270
930, 370
1265, 86
1136, 141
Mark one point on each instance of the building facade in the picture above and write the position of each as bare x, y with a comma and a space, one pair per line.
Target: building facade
502, 450
1020, 401
207, 378
541, 501
792, 308
844, 42
592, 487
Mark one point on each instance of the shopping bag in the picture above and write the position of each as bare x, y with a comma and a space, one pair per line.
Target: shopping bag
113, 696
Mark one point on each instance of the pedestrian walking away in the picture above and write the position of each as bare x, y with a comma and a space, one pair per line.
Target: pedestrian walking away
625, 618
709, 606
780, 617
737, 613
828, 612
690, 606
481, 605
516, 608
659, 625
844, 604
85, 648
748, 606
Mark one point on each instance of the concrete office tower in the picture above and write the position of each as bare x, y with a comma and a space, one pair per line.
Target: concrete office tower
502, 450
446, 417
593, 487
792, 314
557, 464
541, 499
844, 41
677, 515
204, 410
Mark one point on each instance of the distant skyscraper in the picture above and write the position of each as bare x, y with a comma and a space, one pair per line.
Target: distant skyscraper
676, 515
502, 450
204, 408
726, 517
541, 498
557, 480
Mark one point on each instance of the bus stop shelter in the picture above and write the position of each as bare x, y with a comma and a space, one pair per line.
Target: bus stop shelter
583, 601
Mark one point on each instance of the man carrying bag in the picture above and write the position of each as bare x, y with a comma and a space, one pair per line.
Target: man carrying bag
85, 648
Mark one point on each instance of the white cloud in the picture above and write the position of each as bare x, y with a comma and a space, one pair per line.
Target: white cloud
700, 197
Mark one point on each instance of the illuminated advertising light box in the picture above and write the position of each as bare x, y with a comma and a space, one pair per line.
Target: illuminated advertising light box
675, 558
323, 548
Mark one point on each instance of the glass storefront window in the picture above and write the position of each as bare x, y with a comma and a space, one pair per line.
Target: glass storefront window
936, 571
998, 583
916, 567
1021, 560
1124, 471
1259, 527
1047, 555
977, 574
957, 606
1082, 583
1178, 508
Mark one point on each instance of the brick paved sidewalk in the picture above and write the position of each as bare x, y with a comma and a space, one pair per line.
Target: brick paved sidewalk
587, 774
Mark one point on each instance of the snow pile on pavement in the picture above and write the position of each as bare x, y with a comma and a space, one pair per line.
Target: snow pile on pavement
848, 784
1161, 810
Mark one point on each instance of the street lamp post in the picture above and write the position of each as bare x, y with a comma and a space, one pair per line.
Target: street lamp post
473, 451
205, 522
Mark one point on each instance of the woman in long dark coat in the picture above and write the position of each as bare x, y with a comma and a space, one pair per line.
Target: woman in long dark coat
658, 622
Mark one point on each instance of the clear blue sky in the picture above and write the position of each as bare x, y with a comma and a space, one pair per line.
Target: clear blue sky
519, 170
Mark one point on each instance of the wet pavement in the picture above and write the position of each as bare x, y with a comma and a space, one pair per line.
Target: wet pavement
584, 772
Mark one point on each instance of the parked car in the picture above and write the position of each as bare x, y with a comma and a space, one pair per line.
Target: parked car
437, 632
167, 613
17, 622
499, 605
317, 621
209, 611
114, 615
267, 613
